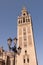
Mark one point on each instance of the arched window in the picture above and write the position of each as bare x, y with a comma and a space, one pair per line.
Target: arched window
27, 20
26, 58
19, 21
23, 19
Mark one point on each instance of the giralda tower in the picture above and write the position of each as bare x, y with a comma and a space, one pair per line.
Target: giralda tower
25, 39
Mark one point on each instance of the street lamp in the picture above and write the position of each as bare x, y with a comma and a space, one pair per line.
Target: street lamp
14, 49
9, 41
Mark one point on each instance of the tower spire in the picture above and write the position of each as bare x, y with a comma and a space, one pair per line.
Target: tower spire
24, 11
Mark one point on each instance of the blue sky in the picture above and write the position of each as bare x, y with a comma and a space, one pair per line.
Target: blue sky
9, 11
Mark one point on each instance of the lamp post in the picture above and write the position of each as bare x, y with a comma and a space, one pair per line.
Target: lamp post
9, 41
14, 48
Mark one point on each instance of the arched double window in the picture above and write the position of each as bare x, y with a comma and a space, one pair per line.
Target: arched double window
26, 58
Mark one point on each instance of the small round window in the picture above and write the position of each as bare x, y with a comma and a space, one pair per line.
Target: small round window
24, 14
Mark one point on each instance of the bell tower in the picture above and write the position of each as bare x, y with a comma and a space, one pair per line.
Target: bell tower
25, 39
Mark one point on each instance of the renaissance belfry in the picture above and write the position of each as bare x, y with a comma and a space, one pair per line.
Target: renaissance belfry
26, 39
